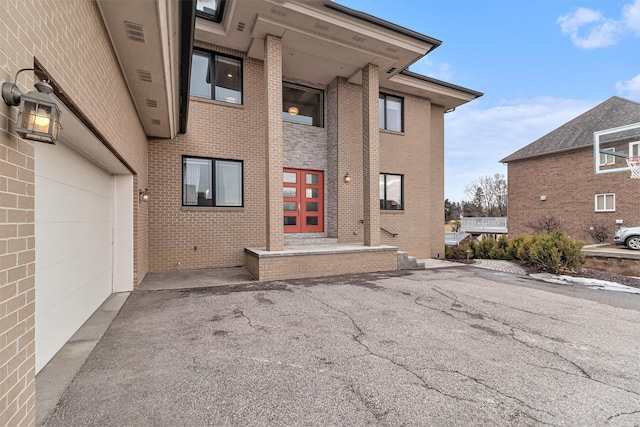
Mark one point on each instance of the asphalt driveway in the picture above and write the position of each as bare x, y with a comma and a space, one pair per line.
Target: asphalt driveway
452, 346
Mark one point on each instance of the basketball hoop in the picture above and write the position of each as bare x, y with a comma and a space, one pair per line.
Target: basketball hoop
634, 166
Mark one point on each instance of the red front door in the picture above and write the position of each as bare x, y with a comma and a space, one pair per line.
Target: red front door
303, 201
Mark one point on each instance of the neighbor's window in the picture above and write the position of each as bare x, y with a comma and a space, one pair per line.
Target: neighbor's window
605, 202
391, 191
216, 76
302, 105
390, 111
211, 182
607, 159
210, 9
634, 149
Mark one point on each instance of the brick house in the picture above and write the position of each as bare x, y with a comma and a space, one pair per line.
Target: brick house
202, 135
565, 176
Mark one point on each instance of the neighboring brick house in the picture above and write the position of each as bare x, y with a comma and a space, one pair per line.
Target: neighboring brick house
251, 124
563, 175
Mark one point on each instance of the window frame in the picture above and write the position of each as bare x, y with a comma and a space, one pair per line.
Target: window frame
607, 157
383, 96
311, 90
605, 195
217, 18
212, 57
213, 161
385, 200
636, 145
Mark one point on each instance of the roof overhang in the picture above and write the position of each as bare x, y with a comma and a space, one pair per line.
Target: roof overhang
145, 37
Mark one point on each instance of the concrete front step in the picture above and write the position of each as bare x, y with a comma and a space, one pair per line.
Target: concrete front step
300, 241
408, 262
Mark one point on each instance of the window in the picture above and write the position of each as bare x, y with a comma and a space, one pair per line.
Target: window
211, 182
210, 9
216, 77
634, 149
390, 112
607, 159
391, 191
302, 105
605, 202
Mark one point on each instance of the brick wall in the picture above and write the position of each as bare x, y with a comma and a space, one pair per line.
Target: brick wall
569, 183
70, 41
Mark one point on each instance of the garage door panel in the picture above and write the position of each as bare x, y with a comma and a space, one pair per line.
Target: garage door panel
64, 321
74, 203
56, 284
63, 241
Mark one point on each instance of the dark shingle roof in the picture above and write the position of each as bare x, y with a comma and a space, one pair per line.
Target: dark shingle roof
578, 133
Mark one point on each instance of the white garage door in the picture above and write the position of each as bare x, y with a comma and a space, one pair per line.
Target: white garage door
73, 226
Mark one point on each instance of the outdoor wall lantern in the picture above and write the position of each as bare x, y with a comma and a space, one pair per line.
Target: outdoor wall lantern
38, 113
347, 177
144, 195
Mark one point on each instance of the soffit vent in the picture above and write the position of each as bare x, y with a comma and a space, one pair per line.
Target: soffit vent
155, 122
240, 26
152, 103
134, 31
320, 26
145, 76
391, 70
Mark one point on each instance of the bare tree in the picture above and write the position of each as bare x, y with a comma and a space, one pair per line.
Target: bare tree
488, 194
545, 224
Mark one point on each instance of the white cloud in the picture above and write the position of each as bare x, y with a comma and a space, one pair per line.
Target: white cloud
590, 29
477, 138
426, 66
600, 31
630, 89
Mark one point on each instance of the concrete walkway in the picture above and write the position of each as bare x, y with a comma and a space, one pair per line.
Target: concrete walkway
500, 265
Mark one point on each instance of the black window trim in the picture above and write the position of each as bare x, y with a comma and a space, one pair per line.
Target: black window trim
213, 181
383, 96
213, 91
313, 89
401, 175
217, 18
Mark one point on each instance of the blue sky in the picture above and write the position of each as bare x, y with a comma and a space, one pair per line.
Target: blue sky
540, 63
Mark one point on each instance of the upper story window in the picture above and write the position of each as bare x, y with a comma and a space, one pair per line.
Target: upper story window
606, 202
390, 112
211, 182
391, 191
302, 105
210, 9
216, 76
607, 159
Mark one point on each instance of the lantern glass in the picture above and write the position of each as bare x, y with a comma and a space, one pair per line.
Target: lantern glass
38, 118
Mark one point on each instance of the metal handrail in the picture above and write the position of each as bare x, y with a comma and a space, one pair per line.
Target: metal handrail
388, 232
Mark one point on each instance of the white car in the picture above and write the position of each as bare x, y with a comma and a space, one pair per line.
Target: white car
628, 236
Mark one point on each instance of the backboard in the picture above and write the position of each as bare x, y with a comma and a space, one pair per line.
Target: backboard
612, 146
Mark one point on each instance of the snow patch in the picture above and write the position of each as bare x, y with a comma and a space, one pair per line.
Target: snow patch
590, 283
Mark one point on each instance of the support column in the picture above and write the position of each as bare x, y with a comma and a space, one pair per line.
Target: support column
371, 155
274, 142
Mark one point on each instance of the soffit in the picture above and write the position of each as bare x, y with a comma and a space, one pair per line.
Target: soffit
438, 93
318, 43
144, 36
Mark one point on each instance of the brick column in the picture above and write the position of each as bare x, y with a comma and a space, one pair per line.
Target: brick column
371, 155
274, 142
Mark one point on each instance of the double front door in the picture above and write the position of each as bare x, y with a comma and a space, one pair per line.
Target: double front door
303, 201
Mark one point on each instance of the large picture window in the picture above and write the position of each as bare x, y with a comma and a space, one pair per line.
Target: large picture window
391, 191
302, 105
211, 182
390, 112
606, 202
216, 77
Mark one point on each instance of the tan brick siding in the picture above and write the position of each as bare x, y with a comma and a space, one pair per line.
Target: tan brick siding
569, 183
70, 40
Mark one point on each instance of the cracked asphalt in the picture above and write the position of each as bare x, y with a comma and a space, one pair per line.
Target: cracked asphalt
450, 346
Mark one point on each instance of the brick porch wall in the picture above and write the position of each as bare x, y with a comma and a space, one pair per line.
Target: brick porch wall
569, 183
70, 41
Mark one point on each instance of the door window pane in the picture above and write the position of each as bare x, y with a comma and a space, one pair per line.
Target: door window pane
312, 206
289, 192
312, 178
312, 193
290, 206
312, 220
289, 177
289, 220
